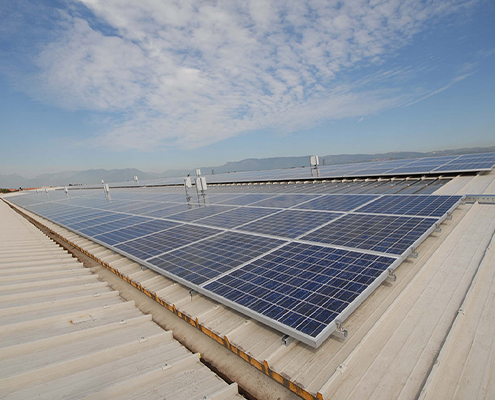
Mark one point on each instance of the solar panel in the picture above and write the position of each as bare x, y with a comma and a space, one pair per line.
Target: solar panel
428, 206
198, 213
284, 200
301, 287
171, 210
81, 222
331, 202
161, 242
111, 225
237, 216
198, 263
132, 232
381, 233
246, 199
289, 223
297, 262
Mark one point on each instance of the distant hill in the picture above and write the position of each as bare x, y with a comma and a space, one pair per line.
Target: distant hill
94, 176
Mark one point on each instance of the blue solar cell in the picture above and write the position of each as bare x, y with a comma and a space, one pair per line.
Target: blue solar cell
465, 166
429, 206
200, 262
284, 200
105, 218
135, 231
289, 223
236, 217
198, 213
171, 209
344, 202
388, 234
113, 225
286, 300
161, 242
247, 199
216, 198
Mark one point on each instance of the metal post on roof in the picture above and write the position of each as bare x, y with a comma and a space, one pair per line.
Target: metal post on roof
66, 190
106, 189
201, 185
187, 185
314, 161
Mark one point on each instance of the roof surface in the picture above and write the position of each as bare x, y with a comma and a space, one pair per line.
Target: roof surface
65, 333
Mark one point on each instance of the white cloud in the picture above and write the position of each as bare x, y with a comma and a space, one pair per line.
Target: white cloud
189, 73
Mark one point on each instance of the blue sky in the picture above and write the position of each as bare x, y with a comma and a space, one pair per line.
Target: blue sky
161, 85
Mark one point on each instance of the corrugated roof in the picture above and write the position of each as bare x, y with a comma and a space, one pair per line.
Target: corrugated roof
65, 333
394, 336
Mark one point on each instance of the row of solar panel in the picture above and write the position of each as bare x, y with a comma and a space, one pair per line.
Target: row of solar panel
431, 165
153, 204
355, 230
301, 285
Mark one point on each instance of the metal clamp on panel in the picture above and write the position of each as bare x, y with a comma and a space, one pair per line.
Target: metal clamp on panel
414, 253
391, 276
340, 329
286, 340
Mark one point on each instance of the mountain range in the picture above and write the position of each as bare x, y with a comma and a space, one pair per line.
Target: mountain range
93, 176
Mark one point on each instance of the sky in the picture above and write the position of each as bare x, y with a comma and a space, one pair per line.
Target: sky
159, 85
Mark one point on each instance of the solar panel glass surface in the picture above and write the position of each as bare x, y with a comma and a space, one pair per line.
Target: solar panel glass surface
201, 212
289, 223
200, 262
387, 234
336, 202
161, 242
246, 199
304, 287
427, 206
237, 216
132, 232
284, 200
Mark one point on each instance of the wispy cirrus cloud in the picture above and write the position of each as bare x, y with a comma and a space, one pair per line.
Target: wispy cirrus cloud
190, 73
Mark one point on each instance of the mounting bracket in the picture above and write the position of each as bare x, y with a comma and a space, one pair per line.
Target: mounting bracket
391, 275
286, 340
414, 253
340, 329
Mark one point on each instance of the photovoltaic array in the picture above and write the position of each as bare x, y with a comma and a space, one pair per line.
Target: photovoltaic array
410, 166
299, 263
